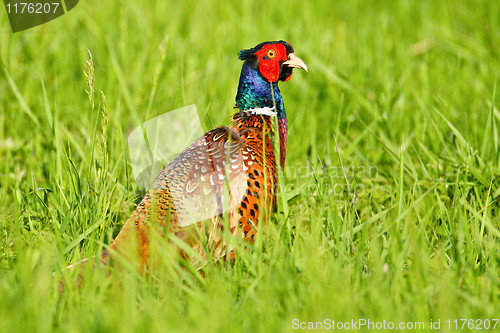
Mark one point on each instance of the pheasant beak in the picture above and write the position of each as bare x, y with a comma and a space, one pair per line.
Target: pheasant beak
295, 62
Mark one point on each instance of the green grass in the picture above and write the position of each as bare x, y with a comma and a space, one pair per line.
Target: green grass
390, 209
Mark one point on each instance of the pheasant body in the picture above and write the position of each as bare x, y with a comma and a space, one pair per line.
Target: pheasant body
229, 170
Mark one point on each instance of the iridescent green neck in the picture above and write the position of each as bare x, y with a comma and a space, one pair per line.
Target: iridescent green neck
256, 92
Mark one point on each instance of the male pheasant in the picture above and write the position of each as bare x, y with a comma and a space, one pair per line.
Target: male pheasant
230, 169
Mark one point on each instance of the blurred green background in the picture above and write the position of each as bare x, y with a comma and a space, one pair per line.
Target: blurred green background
390, 209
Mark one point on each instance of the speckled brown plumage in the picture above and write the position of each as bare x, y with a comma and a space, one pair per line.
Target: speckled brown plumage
244, 149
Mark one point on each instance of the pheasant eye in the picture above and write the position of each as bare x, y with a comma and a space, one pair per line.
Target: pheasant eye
270, 54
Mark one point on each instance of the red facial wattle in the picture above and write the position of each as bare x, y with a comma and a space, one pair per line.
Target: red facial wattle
270, 59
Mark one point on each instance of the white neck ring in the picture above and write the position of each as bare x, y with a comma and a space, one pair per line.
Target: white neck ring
265, 111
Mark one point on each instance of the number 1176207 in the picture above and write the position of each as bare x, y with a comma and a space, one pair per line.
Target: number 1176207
460, 324
32, 7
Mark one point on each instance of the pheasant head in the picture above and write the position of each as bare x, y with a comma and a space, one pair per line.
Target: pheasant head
265, 65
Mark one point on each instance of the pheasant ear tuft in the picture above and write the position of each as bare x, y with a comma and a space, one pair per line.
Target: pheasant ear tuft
245, 54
